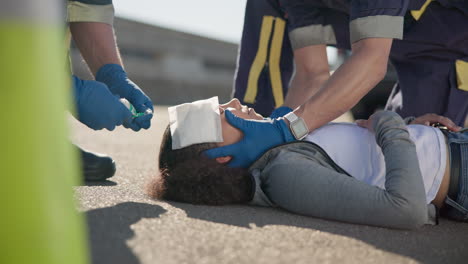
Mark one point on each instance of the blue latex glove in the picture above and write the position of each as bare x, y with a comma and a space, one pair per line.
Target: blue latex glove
97, 107
280, 112
116, 79
259, 136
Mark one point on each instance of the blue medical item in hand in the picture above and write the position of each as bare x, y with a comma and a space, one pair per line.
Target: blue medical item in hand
119, 84
280, 112
259, 136
97, 107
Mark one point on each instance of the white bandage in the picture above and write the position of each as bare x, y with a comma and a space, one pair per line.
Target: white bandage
194, 123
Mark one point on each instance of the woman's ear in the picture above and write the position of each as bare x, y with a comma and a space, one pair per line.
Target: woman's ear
223, 160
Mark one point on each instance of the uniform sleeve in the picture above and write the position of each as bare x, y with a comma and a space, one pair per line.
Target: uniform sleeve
90, 11
377, 19
310, 188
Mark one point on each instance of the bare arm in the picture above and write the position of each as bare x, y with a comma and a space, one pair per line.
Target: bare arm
97, 44
354, 79
311, 73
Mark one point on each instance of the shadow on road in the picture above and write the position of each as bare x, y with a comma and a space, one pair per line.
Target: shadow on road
445, 243
109, 229
99, 183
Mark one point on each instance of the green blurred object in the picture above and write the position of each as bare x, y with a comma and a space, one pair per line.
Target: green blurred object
39, 222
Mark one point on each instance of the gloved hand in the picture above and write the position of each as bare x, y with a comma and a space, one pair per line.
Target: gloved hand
280, 112
116, 79
97, 107
259, 136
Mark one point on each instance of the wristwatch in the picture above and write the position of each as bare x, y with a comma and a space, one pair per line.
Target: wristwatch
297, 125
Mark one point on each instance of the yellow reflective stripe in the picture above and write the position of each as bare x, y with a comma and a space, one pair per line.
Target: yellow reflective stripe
259, 61
462, 74
418, 13
274, 61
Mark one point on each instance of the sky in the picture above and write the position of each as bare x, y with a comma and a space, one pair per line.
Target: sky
218, 19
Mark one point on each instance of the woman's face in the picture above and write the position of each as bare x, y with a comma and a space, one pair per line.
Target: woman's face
231, 134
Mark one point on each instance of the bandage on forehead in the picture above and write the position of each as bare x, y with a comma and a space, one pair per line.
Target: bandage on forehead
194, 123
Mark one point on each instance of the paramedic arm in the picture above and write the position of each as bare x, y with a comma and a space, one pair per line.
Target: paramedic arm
97, 44
315, 190
351, 81
311, 72
356, 77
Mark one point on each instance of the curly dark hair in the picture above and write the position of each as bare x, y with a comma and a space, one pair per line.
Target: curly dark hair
187, 175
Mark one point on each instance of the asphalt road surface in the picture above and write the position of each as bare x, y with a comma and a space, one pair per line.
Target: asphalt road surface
125, 226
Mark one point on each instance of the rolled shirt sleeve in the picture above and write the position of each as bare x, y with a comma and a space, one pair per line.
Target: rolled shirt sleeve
90, 11
377, 19
312, 35
307, 23
333, 22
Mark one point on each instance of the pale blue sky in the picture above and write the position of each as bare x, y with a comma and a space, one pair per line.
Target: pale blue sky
219, 19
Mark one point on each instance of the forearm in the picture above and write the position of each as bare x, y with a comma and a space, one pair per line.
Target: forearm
97, 44
311, 72
304, 86
354, 79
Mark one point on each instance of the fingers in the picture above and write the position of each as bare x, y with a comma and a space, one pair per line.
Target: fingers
149, 105
117, 116
137, 123
430, 119
216, 152
280, 111
146, 108
236, 121
112, 125
224, 151
448, 123
127, 120
140, 108
110, 128
140, 101
132, 125
144, 121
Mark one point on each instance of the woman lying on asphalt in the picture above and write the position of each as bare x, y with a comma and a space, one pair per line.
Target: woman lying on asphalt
378, 172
